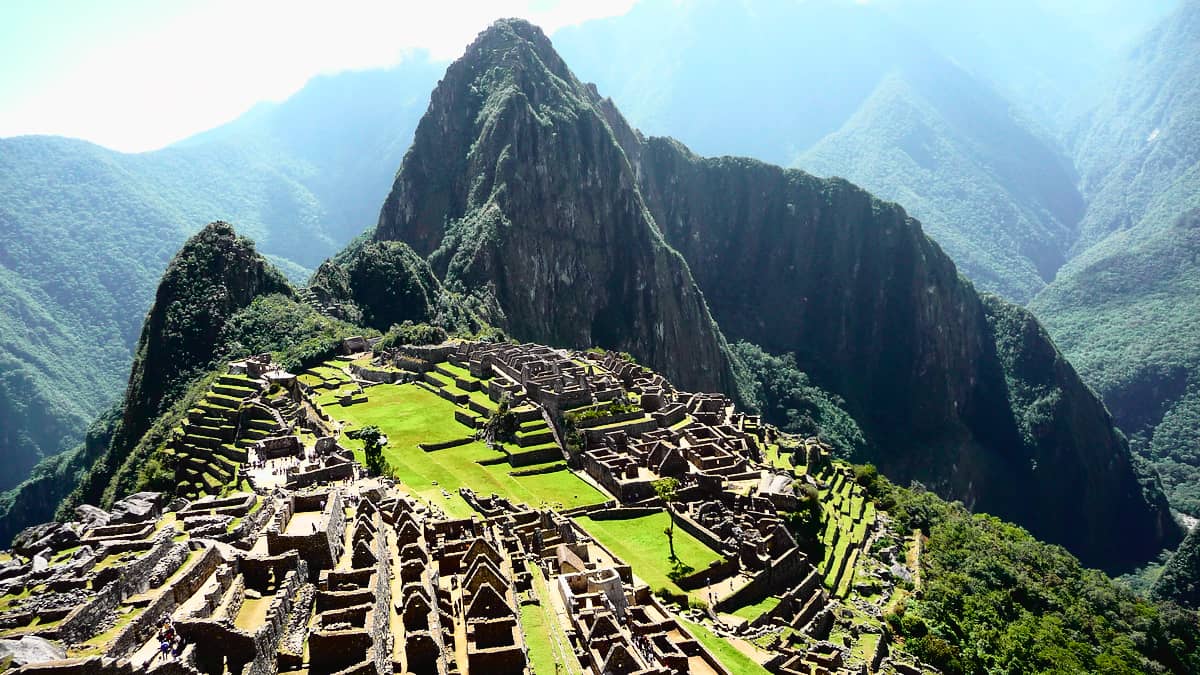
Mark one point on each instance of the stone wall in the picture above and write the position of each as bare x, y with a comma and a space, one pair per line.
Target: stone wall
136, 575
84, 621
319, 549
326, 474
268, 635
783, 573
624, 512
718, 570
705, 535
143, 626
247, 531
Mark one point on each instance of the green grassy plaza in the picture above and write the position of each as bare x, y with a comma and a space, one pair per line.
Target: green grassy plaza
729, 656
408, 415
640, 542
754, 610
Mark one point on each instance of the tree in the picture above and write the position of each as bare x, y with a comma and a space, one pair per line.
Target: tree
372, 439
667, 490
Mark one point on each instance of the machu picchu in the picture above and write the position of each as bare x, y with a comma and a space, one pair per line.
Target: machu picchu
576, 399
498, 541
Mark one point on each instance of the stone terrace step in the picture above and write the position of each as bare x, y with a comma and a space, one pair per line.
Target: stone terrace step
240, 393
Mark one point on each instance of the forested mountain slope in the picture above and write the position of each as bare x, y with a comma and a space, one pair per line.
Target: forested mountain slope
517, 189
998, 198
1124, 309
857, 91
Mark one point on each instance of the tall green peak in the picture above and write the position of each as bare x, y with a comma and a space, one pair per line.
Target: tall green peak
214, 275
876, 313
517, 190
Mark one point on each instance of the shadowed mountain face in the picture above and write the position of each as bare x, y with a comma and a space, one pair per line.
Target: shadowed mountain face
969, 397
525, 186
865, 92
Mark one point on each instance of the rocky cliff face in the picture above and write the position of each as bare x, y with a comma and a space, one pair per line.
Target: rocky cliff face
876, 313
517, 188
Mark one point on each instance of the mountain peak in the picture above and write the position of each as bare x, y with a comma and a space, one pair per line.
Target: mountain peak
511, 32
518, 189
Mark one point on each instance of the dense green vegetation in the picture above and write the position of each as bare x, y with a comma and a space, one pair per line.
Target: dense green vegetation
1126, 318
1179, 579
994, 194
994, 599
384, 284
215, 275
1124, 309
218, 300
787, 398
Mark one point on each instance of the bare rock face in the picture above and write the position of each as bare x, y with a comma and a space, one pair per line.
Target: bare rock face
137, 508
91, 516
53, 536
31, 649
517, 189
941, 381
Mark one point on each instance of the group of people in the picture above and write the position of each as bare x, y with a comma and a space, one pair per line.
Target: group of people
170, 642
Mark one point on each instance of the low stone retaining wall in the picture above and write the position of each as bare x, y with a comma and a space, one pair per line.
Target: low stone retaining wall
143, 626
625, 513
554, 468
705, 535
534, 457
431, 447
718, 570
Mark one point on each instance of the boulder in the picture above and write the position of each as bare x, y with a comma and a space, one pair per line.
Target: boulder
137, 508
55, 536
91, 516
31, 649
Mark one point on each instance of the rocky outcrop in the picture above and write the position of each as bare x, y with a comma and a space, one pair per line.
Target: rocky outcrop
516, 188
137, 508
30, 649
53, 536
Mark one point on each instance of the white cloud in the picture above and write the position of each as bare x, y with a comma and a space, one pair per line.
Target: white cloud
207, 65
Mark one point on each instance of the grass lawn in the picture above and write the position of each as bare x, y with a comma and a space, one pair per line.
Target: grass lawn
640, 542
409, 415
549, 648
537, 639
457, 371
729, 656
753, 611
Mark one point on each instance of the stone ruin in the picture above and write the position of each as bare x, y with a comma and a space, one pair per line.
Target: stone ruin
321, 570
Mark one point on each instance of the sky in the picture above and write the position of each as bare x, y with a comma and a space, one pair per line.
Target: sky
136, 75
